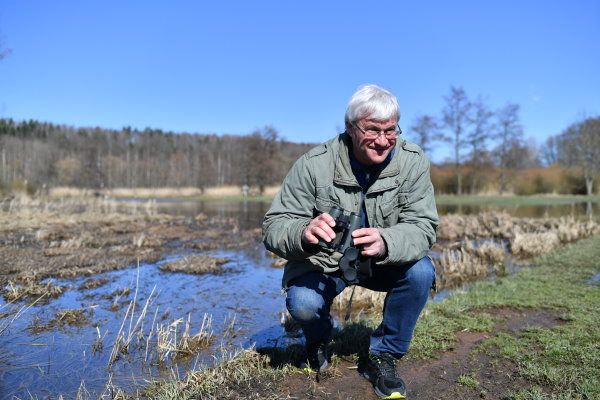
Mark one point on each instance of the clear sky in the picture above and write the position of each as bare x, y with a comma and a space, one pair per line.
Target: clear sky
235, 66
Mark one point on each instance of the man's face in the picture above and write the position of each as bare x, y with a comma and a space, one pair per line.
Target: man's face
372, 151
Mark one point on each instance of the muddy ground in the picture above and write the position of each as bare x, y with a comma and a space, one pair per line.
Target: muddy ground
496, 376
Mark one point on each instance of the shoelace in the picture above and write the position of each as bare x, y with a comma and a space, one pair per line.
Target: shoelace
387, 367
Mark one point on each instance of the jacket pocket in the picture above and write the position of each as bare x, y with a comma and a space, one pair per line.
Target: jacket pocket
390, 211
322, 206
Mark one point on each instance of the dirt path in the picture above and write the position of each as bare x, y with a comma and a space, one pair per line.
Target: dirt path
494, 377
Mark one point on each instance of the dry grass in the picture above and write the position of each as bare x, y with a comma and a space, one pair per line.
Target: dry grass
533, 244
62, 318
457, 266
196, 264
84, 237
278, 262
146, 193
31, 291
527, 236
363, 299
237, 374
489, 251
93, 283
170, 342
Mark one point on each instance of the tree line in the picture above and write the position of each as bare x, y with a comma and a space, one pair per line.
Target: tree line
37, 154
489, 145
488, 152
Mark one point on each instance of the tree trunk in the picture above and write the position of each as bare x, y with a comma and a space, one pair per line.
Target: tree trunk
589, 185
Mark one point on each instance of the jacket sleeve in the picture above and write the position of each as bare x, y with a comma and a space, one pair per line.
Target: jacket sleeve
413, 236
290, 213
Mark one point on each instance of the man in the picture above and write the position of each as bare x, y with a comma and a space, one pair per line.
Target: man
372, 172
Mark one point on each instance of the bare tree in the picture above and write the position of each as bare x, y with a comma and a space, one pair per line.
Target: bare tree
263, 157
456, 120
549, 151
477, 137
425, 130
580, 147
509, 135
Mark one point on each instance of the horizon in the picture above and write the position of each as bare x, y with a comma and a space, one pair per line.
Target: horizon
193, 68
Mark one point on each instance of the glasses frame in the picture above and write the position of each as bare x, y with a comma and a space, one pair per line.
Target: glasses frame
397, 132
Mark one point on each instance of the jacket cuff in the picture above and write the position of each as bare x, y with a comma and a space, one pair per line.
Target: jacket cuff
297, 248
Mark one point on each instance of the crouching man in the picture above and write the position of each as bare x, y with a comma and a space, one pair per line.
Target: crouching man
370, 171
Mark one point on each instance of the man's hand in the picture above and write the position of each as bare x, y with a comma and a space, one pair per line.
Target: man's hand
371, 240
319, 228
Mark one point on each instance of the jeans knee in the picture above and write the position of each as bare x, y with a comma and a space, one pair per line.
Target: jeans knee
421, 274
304, 305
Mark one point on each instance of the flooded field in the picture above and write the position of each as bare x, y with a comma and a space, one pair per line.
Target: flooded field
44, 356
79, 312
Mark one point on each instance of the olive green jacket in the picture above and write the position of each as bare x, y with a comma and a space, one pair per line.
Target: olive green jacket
400, 202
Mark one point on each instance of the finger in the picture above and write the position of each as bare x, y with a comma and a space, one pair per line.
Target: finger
327, 218
370, 251
366, 240
310, 238
325, 228
364, 232
322, 234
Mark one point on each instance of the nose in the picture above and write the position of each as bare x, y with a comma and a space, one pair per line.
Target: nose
381, 140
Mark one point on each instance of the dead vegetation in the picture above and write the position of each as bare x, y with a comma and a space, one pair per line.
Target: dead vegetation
278, 262
62, 319
196, 264
93, 283
31, 290
83, 237
171, 343
500, 225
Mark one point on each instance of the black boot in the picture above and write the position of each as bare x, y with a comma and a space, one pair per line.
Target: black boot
317, 357
380, 369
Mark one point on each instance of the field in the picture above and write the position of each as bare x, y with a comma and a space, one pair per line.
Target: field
102, 291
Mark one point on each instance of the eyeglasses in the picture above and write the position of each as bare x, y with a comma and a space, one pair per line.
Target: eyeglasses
389, 134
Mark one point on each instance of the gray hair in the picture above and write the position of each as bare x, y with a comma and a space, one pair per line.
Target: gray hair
373, 102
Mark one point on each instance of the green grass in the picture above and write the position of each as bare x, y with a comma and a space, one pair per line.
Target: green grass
564, 359
511, 200
468, 381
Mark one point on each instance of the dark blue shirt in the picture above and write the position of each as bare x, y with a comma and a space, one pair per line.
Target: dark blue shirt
366, 175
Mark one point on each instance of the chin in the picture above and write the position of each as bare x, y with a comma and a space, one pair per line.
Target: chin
376, 158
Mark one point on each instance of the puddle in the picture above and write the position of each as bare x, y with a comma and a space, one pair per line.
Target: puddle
594, 280
56, 361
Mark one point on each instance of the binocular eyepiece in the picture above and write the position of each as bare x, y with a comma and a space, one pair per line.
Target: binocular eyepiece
345, 224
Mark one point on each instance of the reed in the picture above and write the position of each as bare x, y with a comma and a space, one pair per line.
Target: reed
169, 342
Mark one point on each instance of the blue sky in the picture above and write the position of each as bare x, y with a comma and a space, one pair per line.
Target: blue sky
235, 66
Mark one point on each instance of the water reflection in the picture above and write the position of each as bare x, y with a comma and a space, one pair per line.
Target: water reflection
250, 213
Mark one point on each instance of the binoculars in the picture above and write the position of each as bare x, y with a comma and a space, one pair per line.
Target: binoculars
345, 224
352, 265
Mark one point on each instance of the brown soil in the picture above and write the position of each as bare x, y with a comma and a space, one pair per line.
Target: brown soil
50, 245
434, 379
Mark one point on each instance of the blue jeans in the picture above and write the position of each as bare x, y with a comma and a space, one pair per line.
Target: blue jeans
309, 299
